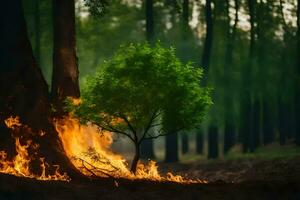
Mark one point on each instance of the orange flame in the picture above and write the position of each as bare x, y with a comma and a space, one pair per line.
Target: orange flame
89, 150
20, 164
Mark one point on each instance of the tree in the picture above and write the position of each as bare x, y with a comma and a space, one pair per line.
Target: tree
206, 59
185, 33
27, 95
297, 86
147, 150
65, 67
229, 132
213, 145
246, 101
143, 88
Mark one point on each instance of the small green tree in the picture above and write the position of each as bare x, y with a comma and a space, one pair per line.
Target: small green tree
143, 88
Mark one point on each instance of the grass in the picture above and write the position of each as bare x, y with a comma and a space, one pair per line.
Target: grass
269, 152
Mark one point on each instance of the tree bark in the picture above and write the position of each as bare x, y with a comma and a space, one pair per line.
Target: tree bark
24, 92
65, 66
199, 142
246, 99
171, 150
136, 158
229, 132
147, 147
213, 144
206, 50
184, 143
208, 39
149, 21
297, 86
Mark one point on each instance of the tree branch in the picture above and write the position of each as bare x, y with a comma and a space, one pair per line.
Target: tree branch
153, 117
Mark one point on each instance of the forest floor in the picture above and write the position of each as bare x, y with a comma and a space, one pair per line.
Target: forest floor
236, 179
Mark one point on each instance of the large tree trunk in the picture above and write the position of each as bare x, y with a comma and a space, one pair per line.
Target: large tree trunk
199, 142
24, 92
65, 66
229, 131
147, 147
297, 86
207, 50
213, 144
171, 149
246, 110
149, 21
208, 39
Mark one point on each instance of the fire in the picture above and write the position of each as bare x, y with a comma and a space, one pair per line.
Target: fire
20, 164
89, 150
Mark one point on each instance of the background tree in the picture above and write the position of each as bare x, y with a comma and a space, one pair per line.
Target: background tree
27, 95
147, 147
65, 66
229, 126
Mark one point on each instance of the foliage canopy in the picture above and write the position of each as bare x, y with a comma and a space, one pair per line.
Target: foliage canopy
143, 87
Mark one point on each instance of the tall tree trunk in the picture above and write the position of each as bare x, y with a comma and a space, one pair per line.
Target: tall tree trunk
206, 52
199, 142
171, 149
147, 147
208, 39
268, 131
229, 130
255, 128
283, 126
246, 104
149, 21
213, 144
297, 87
184, 143
184, 34
65, 66
23, 90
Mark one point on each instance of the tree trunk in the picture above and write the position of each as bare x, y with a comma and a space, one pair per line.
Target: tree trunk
199, 142
213, 144
24, 92
229, 134
171, 148
255, 131
65, 66
206, 51
229, 138
246, 99
283, 126
208, 39
184, 143
268, 131
297, 87
136, 159
149, 21
147, 147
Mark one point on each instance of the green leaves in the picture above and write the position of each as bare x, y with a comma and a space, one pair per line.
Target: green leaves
143, 87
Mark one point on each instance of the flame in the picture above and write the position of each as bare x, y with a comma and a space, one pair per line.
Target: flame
20, 164
89, 150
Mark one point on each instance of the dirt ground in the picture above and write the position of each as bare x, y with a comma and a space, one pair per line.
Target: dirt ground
240, 179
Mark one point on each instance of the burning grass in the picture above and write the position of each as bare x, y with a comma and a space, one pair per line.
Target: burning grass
19, 165
89, 149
